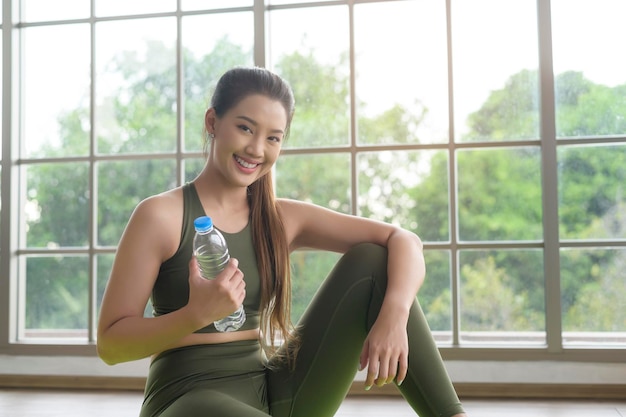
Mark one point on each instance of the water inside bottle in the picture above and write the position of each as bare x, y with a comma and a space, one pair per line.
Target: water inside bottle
211, 265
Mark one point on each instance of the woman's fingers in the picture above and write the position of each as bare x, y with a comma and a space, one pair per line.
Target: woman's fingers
384, 370
385, 354
402, 369
372, 374
393, 371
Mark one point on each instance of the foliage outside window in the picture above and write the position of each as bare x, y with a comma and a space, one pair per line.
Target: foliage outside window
382, 142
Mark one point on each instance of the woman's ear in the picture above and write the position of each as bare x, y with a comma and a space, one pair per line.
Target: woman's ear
209, 121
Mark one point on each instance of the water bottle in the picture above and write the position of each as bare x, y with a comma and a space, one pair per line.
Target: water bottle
211, 251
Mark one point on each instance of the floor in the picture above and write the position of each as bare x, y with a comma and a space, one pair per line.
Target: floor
42, 403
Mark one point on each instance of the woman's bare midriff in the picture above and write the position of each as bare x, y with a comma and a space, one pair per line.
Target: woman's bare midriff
213, 338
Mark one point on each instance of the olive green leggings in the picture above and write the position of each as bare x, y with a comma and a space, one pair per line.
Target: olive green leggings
231, 379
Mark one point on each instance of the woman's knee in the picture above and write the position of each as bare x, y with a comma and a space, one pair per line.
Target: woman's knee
366, 259
370, 252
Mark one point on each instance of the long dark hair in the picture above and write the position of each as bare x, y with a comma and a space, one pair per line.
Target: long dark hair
268, 231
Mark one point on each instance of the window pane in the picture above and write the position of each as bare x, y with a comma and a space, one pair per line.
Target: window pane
309, 269
193, 166
136, 86
401, 97
593, 289
56, 297
499, 194
435, 295
56, 91
592, 201
495, 59
212, 44
122, 185
320, 179
41, 10
56, 210
590, 73
214, 4
407, 188
315, 61
126, 7
502, 296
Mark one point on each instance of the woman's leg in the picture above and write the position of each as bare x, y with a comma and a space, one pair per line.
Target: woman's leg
332, 332
214, 403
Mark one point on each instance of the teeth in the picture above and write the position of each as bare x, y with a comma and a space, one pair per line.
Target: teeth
244, 163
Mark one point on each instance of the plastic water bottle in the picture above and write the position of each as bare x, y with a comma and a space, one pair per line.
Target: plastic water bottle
211, 251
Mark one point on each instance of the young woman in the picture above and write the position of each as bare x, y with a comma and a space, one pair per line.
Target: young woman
364, 316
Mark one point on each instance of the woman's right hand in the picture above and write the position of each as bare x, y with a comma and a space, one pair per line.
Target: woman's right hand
214, 299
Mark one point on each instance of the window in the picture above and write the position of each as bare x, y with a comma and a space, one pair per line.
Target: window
503, 147
590, 124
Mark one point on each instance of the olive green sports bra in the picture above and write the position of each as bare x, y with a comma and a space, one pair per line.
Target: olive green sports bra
171, 289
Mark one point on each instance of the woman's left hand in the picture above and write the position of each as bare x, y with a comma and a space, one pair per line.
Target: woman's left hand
385, 353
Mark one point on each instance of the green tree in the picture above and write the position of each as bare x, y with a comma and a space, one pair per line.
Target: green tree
509, 113
489, 301
584, 108
499, 191
590, 185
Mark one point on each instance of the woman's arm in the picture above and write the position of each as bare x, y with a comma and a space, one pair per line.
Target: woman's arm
152, 236
385, 351
387, 343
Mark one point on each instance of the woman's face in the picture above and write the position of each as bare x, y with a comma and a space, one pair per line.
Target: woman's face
248, 139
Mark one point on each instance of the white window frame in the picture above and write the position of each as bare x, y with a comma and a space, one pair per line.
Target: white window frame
554, 350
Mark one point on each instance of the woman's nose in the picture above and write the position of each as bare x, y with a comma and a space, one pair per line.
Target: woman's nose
255, 146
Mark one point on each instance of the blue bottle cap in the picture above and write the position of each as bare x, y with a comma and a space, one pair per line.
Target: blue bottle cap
203, 224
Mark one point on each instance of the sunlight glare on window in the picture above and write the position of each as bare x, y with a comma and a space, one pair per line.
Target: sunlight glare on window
402, 72
590, 79
56, 101
130, 7
494, 45
136, 92
46, 10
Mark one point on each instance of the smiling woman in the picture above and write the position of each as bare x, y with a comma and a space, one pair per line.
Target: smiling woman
364, 316
514, 185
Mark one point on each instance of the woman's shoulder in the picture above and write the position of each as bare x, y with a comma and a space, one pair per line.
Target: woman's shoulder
159, 217
162, 203
164, 209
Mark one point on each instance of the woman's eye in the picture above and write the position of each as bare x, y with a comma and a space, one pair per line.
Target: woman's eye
274, 139
245, 128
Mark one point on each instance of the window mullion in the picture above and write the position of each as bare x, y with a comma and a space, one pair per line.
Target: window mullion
7, 225
259, 33
93, 185
549, 179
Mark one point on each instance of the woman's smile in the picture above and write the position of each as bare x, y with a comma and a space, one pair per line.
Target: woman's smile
245, 165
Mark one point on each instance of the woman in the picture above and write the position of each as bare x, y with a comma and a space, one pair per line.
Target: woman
364, 316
